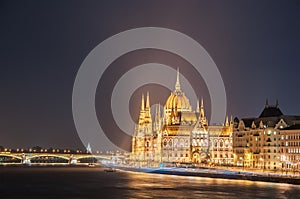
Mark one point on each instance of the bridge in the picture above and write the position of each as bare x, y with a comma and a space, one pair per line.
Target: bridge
55, 158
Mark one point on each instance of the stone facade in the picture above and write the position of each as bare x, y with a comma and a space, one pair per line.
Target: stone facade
270, 141
181, 135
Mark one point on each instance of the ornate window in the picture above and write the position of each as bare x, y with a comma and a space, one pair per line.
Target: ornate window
181, 143
165, 143
194, 142
175, 142
170, 143
221, 143
186, 143
226, 143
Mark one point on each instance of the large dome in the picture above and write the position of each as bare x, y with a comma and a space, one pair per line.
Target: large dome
178, 101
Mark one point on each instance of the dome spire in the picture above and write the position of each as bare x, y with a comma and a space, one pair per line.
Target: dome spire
177, 85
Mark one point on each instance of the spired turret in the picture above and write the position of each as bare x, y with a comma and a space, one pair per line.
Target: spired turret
147, 118
142, 140
142, 111
226, 121
202, 115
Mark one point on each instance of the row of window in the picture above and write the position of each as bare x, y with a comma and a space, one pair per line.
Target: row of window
175, 155
176, 143
291, 137
256, 139
292, 144
292, 150
223, 156
292, 158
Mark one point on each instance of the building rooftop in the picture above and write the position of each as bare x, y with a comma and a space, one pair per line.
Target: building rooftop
292, 127
271, 111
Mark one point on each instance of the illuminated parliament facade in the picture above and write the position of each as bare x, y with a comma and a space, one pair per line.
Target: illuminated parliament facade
180, 134
183, 135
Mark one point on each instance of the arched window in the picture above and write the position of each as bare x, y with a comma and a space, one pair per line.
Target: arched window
165, 143
186, 143
175, 142
226, 143
170, 143
215, 143
194, 142
201, 142
181, 143
221, 143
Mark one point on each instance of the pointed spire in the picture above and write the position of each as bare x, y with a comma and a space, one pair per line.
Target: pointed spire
261, 125
143, 102
277, 104
177, 85
267, 103
147, 102
202, 109
198, 106
148, 119
226, 121
142, 111
253, 125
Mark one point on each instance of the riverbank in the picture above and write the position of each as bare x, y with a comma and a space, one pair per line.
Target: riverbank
217, 173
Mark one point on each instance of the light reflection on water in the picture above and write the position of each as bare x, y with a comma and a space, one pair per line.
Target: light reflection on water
141, 185
95, 183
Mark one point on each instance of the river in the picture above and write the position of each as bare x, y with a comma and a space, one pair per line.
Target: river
68, 182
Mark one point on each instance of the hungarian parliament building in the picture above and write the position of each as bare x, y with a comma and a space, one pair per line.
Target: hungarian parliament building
181, 135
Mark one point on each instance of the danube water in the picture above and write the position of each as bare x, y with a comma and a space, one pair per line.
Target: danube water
68, 182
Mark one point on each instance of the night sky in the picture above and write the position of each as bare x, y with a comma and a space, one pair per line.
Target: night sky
255, 45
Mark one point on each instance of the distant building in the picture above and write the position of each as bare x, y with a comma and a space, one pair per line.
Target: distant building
270, 141
180, 135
